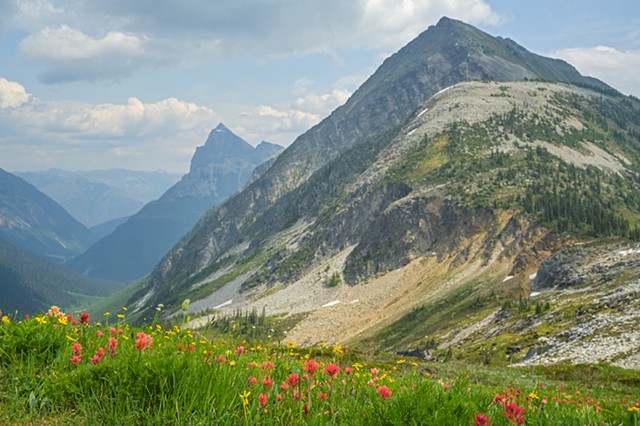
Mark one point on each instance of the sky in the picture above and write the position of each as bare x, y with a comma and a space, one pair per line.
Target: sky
139, 84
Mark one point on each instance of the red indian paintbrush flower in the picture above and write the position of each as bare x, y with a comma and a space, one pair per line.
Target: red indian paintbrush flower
514, 412
84, 318
480, 420
311, 367
262, 399
331, 370
143, 341
384, 392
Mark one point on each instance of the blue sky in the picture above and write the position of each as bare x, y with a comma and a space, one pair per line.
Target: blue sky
139, 84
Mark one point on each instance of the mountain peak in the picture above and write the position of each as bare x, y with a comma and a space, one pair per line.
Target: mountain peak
222, 143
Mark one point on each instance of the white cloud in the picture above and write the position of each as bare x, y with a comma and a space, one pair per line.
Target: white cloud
12, 94
64, 134
615, 67
393, 23
323, 103
75, 40
67, 54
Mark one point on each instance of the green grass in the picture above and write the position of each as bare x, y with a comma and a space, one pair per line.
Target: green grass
154, 375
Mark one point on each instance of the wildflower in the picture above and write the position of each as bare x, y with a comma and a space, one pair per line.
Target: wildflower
222, 359
279, 397
370, 383
498, 399
112, 345
514, 412
293, 379
98, 356
143, 341
384, 392
252, 380
268, 365
337, 350
120, 316
533, 395
400, 361
634, 409
267, 382
322, 396
99, 333
75, 360
244, 396
239, 350
106, 314
76, 349
446, 387
232, 363
84, 318
311, 367
124, 308
331, 370
374, 371
347, 371
262, 399
480, 420
70, 338
40, 320
61, 320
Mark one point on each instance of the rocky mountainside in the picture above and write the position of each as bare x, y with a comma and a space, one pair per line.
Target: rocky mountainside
218, 169
420, 198
34, 222
98, 196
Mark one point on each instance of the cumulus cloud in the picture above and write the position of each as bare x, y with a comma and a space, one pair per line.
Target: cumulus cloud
68, 54
12, 94
142, 135
78, 40
615, 67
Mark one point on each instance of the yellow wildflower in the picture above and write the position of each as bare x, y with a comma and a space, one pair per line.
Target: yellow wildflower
337, 350
121, 316
98, 324
232, 363
106, 314
70, 338
41, 320
532, 395
61, 320
245, 397
290, 344
636, 409
400, 361
6, 320
124, 308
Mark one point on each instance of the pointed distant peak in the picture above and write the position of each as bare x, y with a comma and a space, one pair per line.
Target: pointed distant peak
221, 128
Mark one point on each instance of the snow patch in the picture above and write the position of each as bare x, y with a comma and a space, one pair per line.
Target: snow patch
327, 305
423, 111
507, 278
534, 293
354, 301
533, 276
222, 305
412, 132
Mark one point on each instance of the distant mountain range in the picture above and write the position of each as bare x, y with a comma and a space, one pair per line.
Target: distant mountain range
34, 222
218, 169
99, 196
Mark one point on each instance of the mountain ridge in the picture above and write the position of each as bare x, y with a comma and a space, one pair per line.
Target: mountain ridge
34, 222
400, 85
